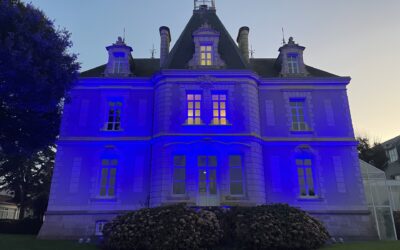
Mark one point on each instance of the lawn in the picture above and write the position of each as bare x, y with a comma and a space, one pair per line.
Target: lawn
29, 242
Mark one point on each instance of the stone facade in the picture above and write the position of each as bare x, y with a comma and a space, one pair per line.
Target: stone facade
235, 134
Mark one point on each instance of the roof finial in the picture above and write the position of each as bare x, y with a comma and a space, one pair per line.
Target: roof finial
153, 52
252, 51
123, 39
283, 36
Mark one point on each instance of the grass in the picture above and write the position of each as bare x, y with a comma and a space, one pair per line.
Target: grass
373, 245
29, 242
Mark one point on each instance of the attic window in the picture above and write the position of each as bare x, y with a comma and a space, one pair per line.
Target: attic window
206, 55
293, 63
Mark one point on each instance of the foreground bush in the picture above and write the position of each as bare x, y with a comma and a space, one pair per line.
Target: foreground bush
170, 227
277, 226
25, 226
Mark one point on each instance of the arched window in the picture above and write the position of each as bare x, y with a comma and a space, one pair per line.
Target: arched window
305, 166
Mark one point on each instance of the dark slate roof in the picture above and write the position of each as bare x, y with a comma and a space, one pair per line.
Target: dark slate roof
267, 67
392, 142
143, 67
183, 50
264, 67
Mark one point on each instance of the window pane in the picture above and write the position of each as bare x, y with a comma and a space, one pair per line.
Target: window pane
103, 191
215, 113
236, 174
307, 162
215, 97
236, 188
190, 105
299, 162
197, 113
202, 187
111, 191
197, 105
197, 121
179, 174
190, 97
223, 113
213, 187
190, 121
202, 175
197, 97
223, 105
202, 48
201, 161
212, 175
105, 162
222, 97
190, 113
223, 121
212, 161
180, 160
215, 105
179, 188
235, 161
104, 175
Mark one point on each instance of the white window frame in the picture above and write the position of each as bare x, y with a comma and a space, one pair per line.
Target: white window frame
393, 155
99, 227
219, 102
114, 116
206, 55
293, 63
236, 167
298, 114
193, 108
305, 175
118, 65
108, 178
176, 180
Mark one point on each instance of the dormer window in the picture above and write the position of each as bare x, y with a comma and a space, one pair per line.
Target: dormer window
206, 55
293, 63
118, 59
291, 60
118, 62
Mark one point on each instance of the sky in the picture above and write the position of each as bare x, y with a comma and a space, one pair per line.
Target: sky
356, 38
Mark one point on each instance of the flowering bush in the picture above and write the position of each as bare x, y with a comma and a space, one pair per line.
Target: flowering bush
170, 227
277, 226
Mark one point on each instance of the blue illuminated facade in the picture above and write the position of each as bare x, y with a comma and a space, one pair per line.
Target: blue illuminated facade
208, 126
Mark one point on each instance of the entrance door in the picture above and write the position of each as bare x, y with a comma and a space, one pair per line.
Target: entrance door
207, 182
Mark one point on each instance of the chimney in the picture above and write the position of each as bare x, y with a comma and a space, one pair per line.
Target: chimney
243, 42
165, 36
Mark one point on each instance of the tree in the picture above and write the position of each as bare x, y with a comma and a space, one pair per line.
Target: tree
372, 153
36, 71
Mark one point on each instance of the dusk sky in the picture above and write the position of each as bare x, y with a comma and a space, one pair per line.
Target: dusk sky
357, 38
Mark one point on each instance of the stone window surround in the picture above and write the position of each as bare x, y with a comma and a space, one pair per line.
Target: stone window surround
308, 110
206, 36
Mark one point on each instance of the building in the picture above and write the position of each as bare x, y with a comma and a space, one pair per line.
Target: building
206, 125
383, 197
8, 208
392, 148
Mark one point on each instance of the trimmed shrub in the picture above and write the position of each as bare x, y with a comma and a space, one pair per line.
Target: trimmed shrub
169, 227
277, 226
25, 226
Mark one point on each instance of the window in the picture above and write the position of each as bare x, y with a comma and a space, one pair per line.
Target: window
114, 116
205, 55
179, 175
236, 174
305, 175
392, 154
219, 109
8, 213
297, 112
99, 227
118, 62
194, 109
108, 176
293, 63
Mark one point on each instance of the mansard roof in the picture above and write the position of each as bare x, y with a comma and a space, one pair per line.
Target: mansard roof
146, 67
142, 67
183, 49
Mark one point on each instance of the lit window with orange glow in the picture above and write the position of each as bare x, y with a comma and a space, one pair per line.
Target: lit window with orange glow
193, 109
219, 109
206, 55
